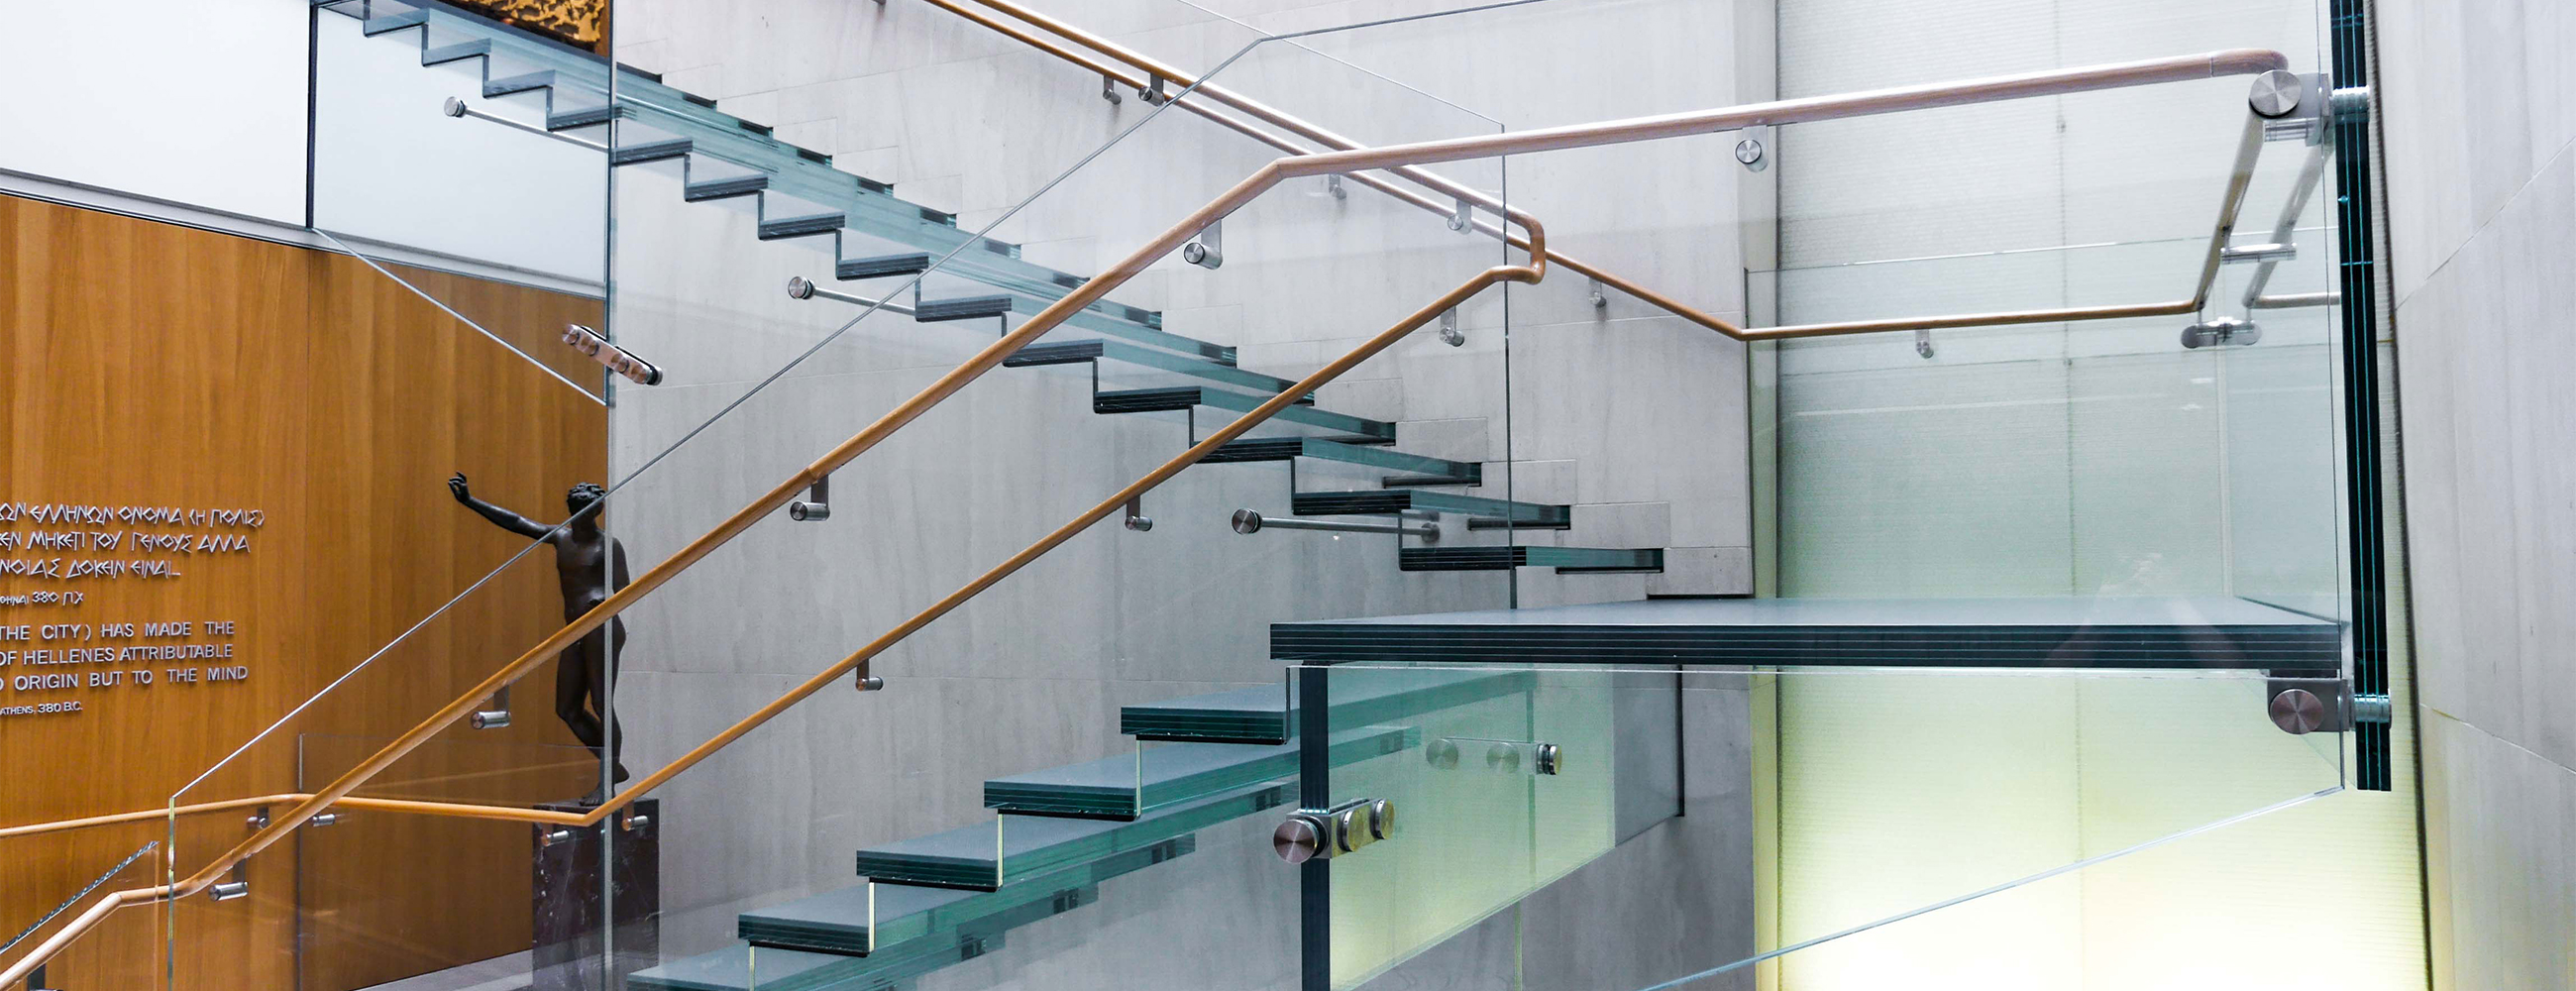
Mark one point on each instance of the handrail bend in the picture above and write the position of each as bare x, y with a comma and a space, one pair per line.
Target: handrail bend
2230, 62
1603, 133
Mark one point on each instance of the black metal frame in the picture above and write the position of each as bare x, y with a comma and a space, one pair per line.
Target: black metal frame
2356, 277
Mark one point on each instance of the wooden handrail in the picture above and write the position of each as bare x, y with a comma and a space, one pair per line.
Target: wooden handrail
1551, 139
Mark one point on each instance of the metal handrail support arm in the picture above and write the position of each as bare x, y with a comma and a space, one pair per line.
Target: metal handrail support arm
1604, 133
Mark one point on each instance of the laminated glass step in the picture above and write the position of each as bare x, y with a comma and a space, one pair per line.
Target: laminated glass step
1387, 502
1186, 397
717, 189
1075, 352
1163, 774
1262, 715
967, 308
1566, 560
971, 858
743, 967
881, 266
881, 918
2191, 632
1428, 470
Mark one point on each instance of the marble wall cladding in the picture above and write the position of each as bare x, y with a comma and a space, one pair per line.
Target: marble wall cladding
1632, 416
2481, 177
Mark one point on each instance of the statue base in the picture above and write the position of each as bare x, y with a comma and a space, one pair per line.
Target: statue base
571, 947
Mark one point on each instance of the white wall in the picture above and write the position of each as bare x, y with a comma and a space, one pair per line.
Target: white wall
2480, 159
183, 108
197, 103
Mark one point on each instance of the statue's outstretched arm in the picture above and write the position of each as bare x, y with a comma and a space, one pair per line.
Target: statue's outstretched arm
500, 517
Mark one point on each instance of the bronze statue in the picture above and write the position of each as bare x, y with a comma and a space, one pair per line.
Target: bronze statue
586, 559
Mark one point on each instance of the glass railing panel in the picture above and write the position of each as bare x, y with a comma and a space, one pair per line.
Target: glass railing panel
1969, 784
465, 199
386, 893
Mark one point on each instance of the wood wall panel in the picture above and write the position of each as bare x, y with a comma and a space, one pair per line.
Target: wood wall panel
150, 364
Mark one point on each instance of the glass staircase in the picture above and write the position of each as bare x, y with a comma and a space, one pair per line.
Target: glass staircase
1533, 738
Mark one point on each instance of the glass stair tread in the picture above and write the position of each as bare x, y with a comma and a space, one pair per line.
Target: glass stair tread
2188, 632
732, 968
1076, 352
1129, 785
1566, 560
967, 857
1426, 470
882, 918
1185, 397
870, 207
1387, 502
1262, 715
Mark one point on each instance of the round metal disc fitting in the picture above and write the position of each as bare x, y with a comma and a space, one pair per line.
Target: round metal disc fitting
1442, 754
2276, 93
1551, 758
2298, 711
1503, 757
798, 287
1382, 819
1297, 840
453, 108
1247, 521
1748, 151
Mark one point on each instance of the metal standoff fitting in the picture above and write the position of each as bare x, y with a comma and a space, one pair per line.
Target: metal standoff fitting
1753, 151
550, 837
867, 681
799, 287
1600, 300
1333, 187
1248, 521
1503, 757
453, 107
1299, 838
2220, 333
1441, 754
2373, 708
1136, 518
1449, 333
2276, 93
322, 819
1309, 834
619, 360
2349, 103
489, 719
224, 891
1551, 758
1207, 250
817, 504
2298, 711
258, 820
1923, 342
1464, 218
2257, 253
1108, 85
632, 822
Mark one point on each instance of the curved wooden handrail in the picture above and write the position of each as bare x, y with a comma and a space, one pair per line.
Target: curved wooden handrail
1893, 100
